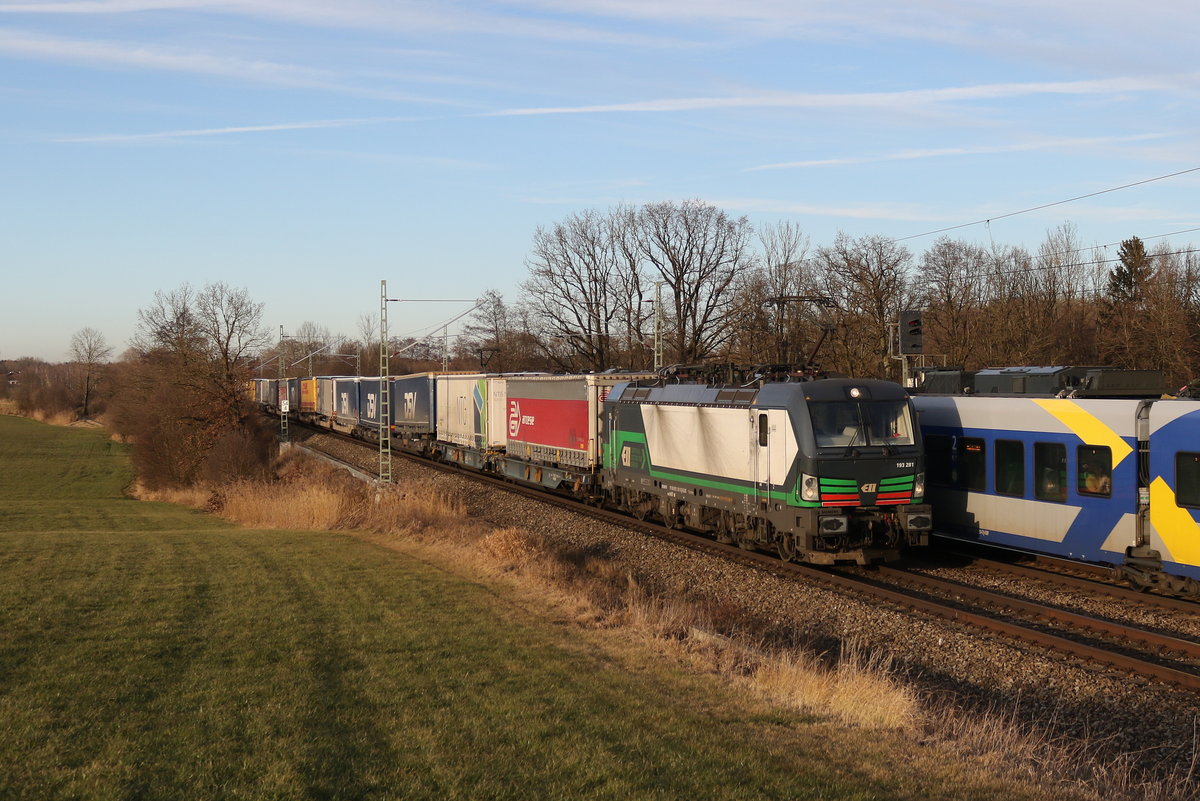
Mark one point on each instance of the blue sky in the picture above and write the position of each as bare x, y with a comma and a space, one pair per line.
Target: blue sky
307, 149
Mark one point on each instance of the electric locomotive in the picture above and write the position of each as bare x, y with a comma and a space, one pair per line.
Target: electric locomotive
820, 471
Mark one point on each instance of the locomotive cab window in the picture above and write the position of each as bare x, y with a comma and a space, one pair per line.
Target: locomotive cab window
1094, 471
972, 461
862, 423
762, 430
1050, 471
1010, 467
1187, 479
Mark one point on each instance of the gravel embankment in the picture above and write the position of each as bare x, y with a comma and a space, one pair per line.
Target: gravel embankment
1060, 697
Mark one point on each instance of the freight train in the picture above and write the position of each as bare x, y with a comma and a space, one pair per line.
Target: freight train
1110, 476
821, 471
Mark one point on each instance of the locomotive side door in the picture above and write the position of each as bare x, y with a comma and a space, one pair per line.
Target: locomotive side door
760, 432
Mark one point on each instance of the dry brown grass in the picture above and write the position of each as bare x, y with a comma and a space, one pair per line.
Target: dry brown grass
860, 689
52, 418
514, 547
291, 506
193, 497
9, 406
415, 509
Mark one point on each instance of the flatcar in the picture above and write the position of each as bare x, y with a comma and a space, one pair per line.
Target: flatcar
1113, 482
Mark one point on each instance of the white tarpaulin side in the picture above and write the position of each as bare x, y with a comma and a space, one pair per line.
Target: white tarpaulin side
700, 439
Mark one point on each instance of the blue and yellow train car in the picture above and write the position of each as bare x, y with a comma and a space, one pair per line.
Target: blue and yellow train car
1108, 481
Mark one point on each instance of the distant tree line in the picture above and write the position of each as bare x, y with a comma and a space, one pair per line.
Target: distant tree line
729, 293
758, 297
733, 293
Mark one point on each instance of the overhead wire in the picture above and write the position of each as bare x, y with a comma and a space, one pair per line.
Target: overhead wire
988, 220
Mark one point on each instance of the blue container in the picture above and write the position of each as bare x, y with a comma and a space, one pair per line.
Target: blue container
345, 401
369, 404
413, 405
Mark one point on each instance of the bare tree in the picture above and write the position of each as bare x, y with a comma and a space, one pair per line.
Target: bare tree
775, 316
183, 395
1063, 278
488, 334
89, 352
368, 345
230, 324
697, 249
571, 288
953, 280
868, 278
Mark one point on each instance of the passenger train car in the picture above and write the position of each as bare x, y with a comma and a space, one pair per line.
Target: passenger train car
1107, 481
821, 471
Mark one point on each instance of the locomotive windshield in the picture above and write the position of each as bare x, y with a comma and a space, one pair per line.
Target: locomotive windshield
861, 423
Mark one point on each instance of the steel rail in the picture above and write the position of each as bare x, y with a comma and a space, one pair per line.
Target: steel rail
1053, 576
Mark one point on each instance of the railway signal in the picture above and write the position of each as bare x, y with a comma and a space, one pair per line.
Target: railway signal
911, 332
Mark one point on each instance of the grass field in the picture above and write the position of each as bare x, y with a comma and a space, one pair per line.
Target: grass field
149, 651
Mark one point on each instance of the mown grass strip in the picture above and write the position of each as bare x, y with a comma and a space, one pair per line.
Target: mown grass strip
154, 653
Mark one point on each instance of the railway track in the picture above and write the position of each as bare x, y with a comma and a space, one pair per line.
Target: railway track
1090, 579
1139, 651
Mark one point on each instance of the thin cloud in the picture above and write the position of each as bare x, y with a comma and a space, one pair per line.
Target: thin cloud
102, 6
136, 56
905, 155
406, 17
402, 160
19, 43
904, 100
243, 129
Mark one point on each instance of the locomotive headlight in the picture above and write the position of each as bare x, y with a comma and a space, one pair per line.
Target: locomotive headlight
810, 487
919, 485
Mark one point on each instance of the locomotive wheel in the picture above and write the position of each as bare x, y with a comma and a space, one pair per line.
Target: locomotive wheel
724, 528
786, 546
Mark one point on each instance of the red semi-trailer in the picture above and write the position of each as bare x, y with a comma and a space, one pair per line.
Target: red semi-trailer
555, 420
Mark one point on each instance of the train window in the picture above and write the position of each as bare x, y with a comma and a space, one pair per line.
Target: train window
1050, 471
1010, 467
762, 429
1187, 479
939, 468
972, 464
1094, 471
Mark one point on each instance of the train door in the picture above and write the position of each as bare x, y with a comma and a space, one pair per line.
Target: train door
760, 432
1174, 485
